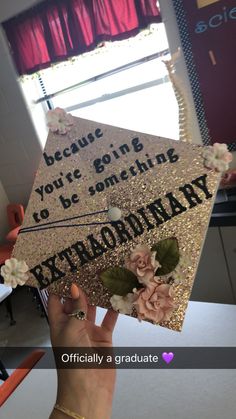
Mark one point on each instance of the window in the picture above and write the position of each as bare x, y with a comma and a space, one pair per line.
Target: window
139, 96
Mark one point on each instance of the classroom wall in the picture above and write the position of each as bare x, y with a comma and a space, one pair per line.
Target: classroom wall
13, 7
20, 148
168, 16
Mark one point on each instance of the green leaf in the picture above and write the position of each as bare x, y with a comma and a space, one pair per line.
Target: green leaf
119, 281
167, 253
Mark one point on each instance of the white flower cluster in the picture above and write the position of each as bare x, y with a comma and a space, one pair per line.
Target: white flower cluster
59, 121
14, 272
123, 305
179, 274
217, 157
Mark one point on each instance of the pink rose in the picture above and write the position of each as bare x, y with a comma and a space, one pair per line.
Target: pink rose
142, 263
155, 302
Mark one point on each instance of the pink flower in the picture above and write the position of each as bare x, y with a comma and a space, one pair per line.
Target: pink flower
155, 302
142, 263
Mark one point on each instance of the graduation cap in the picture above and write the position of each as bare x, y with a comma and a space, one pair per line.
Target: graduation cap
122, 213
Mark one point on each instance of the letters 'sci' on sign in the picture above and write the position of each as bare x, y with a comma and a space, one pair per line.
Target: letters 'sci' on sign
121, 213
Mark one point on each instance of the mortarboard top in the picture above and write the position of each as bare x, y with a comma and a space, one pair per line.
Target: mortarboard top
101, 191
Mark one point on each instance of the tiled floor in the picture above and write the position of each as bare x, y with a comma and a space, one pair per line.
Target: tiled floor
31, 330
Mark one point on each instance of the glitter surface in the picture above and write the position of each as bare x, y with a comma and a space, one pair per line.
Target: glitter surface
115, 153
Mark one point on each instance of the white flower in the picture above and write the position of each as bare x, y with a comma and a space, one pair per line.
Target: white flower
179, 274
14, 272
217, 157
59, 121
123, 304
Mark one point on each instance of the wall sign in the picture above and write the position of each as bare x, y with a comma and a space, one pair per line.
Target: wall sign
208, 30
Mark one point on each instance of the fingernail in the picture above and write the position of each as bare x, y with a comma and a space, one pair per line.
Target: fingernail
74, 291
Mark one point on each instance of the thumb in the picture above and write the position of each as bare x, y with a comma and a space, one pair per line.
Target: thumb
79, 300
56, 315
55, 309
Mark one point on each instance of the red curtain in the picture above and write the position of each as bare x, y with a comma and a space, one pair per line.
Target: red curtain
58, 29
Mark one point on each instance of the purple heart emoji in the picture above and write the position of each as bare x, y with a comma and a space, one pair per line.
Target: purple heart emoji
167, 357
